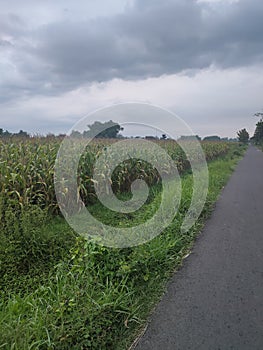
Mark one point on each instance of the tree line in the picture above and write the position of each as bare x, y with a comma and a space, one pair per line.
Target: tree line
112, 130
257, 138
6, 133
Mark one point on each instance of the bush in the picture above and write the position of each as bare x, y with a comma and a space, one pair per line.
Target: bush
28, 242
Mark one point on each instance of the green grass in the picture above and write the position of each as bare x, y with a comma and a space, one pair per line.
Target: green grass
59, 291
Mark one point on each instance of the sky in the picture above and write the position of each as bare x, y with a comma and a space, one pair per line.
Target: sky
201, 59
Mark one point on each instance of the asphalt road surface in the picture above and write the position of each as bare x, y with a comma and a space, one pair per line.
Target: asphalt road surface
216, 300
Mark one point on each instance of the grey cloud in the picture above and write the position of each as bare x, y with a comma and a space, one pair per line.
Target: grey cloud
155, 38
146, 41
149, 39
11, 25
5, 43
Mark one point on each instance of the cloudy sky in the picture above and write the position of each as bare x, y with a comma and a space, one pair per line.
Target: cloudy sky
60, 60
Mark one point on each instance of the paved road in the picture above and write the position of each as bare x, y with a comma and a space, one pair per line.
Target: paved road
216, 300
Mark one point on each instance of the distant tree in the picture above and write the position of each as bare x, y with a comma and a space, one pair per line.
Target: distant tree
164, 137
5, 133
108, 129
22, 133
243, 136
233, 140
76, 134
50, 135
151, 137
212, 138
258, 135
189, 137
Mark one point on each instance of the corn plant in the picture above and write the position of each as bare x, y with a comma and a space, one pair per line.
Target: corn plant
27, 169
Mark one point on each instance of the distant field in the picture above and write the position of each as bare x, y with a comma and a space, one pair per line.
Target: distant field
60, 291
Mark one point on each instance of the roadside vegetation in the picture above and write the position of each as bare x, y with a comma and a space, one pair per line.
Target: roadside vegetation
61, 291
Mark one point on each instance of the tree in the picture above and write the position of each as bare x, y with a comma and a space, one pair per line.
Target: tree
76, 134
149, 137
22, 134
108, 129
258, 135
243, 136
189, 138
4, 133
212, 138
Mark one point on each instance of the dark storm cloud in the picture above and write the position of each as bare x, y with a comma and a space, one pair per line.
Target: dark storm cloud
156, 38
149, 39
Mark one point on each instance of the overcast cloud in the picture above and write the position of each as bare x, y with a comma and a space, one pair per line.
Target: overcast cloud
187, 49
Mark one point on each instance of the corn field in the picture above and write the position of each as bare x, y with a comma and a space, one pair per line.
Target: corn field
27, 169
